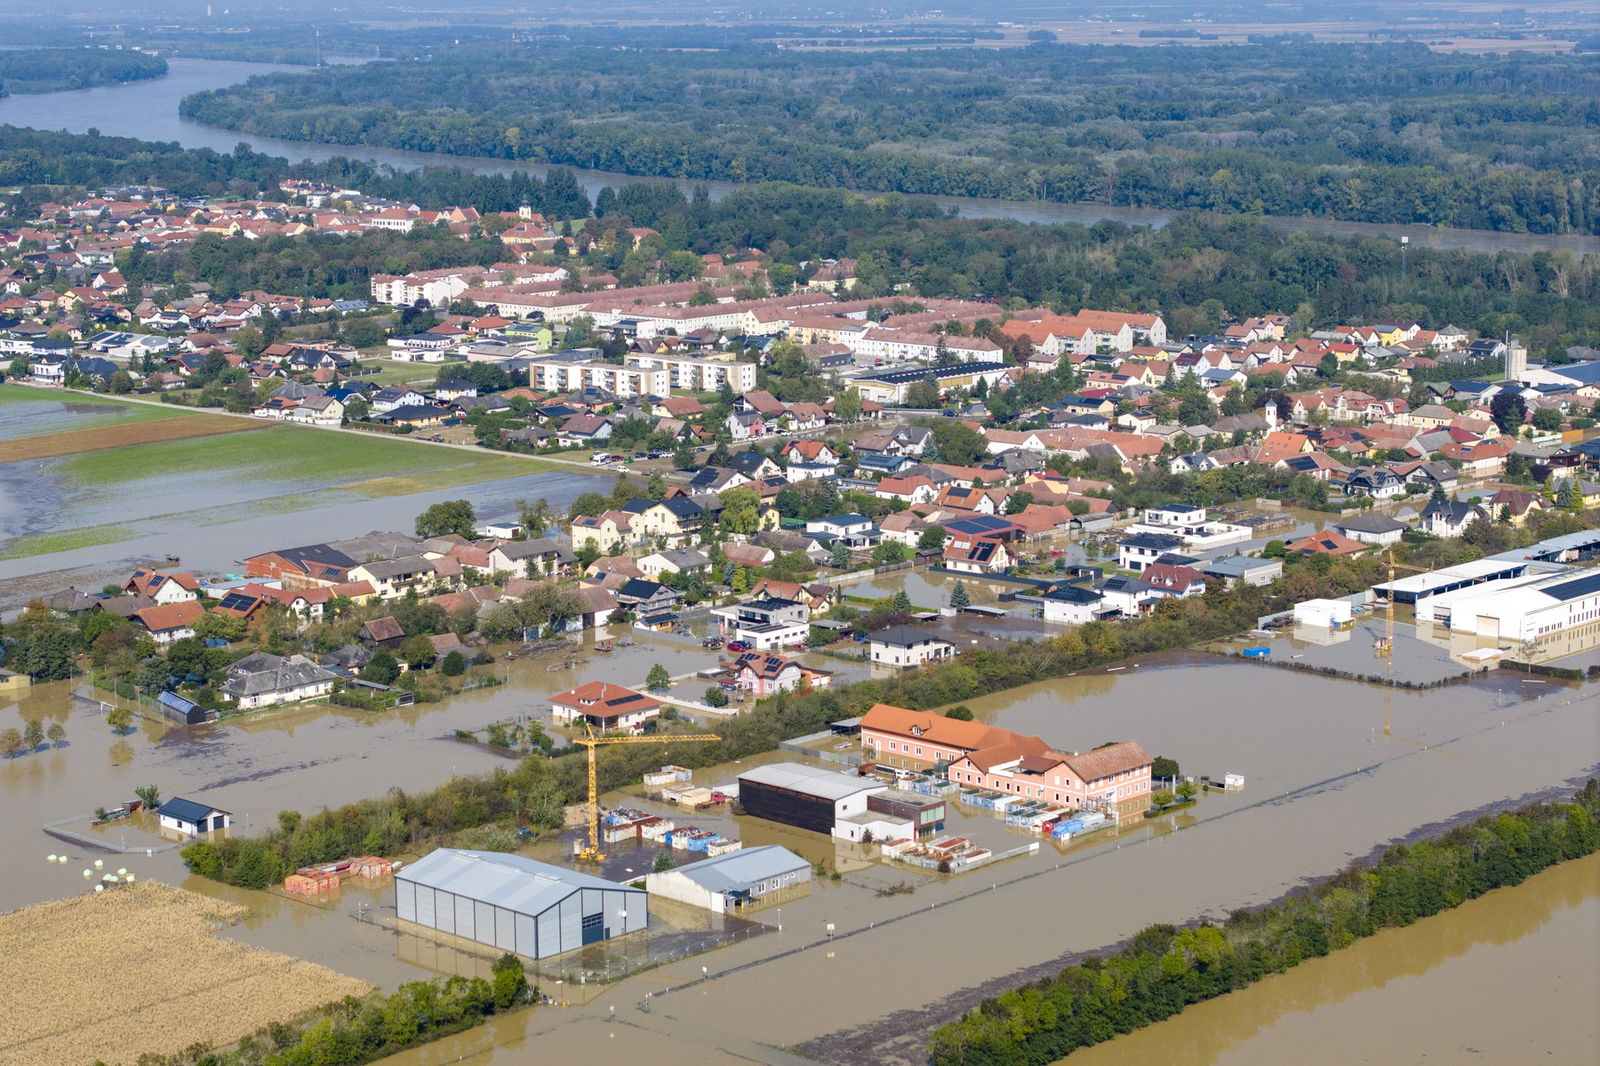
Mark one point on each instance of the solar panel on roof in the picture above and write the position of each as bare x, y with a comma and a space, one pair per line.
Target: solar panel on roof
1578, 586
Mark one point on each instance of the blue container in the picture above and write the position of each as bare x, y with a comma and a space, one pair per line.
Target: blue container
1260, 651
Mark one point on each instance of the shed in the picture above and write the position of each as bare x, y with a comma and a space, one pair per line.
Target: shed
737, 879
183, 711
515, 904
1328, 613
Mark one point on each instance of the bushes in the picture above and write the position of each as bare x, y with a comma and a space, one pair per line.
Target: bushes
1163, 970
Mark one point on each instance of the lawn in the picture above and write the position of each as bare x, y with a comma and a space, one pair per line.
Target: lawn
124, 412
313, 457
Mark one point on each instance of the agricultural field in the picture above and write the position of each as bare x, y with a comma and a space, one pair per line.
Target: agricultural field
141, 968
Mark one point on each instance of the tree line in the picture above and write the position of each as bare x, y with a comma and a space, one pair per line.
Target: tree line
50, 70
1393, 133
1164, 969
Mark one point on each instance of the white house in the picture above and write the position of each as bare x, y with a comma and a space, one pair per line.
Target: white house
902, 646
188, 818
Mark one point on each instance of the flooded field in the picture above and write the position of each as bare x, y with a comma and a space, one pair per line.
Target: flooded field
1510, 977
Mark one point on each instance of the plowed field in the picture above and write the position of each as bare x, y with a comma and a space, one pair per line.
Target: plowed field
120, 436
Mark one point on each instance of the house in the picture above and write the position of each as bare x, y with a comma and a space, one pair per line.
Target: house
162, 587
761, 674
902, 646
853, 530
1127, 596
765, 623
522, 558
1449, 518
1141, 549
979, 555
605, 708
921, 740
262, 679
1376, 482
810, 451
1515, 505
1325, 542
169, 622
1371, 528
1234, 570
191, 819
1072, 605
755, 466
604, 532
1174, 579
392, 578
382, 632
675, 561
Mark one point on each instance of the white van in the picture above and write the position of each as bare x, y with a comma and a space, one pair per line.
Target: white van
601, 458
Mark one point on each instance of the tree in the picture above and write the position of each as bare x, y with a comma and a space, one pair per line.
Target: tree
1186, 789
922, 394
57, 733
839, 557
960, 712
150, 795
11, 743
33, 735
418, 652
900, 602
536, 517
1163, 767
959, 444
449, 516
454, 664
741, 510
889, 553
932, 539
120, 719
658, 680
847, 405
383, 668
683, 457
1508, 409
959, 596
1547, 420
1018, 502
664, 860
715, 697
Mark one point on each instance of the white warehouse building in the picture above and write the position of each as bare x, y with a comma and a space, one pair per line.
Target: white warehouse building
732, 881
514, 904
1524, 610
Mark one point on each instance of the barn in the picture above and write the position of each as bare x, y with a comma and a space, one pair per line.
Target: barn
514, 904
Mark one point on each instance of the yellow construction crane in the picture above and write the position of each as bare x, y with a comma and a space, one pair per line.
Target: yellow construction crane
592, 853
1383, 647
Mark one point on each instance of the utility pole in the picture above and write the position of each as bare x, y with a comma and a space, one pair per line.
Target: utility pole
1405, 243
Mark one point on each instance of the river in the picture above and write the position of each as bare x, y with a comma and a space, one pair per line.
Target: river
149, 110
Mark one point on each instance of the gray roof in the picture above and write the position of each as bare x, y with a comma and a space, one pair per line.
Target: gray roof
392, 568
1370, 523
263, 672
510, 881
1237, 565
744, 868
811, 780
904, 637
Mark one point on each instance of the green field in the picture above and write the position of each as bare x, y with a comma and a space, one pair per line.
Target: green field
295, 453
62, 540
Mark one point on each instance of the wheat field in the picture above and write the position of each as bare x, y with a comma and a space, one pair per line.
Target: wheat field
140, 968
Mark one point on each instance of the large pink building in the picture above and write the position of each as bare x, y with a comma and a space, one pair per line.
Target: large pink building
975, 755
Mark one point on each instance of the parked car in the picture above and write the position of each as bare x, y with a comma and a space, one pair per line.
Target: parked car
739, 646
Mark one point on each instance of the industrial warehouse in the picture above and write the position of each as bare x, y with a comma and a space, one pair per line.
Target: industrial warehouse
736, 880
860, 809
514, 904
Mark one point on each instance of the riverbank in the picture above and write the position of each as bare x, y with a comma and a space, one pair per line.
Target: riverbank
1161, 970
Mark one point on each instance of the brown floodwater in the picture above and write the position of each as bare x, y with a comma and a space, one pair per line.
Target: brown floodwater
1324, 785
1511, 977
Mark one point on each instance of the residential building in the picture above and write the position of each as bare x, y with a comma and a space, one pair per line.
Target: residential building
903, 647
1371, 528
262, 679
605, 708
765, 623
190, 819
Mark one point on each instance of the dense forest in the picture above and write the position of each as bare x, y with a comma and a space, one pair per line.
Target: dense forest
1378, 133
1193, 270
49, 70
1164, 969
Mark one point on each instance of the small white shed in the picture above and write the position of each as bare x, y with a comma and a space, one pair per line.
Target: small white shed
1328, 613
